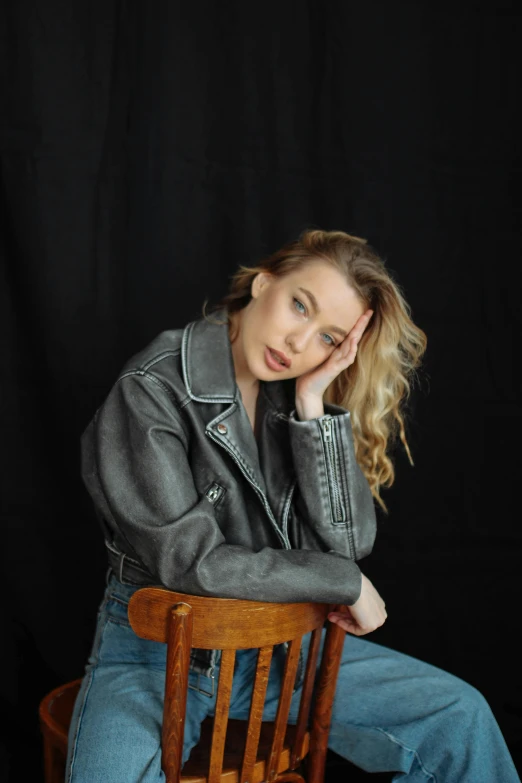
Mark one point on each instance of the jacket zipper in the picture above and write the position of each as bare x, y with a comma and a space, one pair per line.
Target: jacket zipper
338, 514
286, 509
282, 537
214, 493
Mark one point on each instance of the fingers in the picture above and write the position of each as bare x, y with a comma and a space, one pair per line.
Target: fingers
345, 623
359, 626
348, 348
360, 325
350, 626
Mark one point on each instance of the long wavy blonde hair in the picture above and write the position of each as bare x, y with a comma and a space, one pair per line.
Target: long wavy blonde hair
377, 385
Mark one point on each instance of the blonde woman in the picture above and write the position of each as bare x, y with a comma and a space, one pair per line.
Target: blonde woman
241, 457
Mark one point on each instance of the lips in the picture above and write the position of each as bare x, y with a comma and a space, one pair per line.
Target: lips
276, 360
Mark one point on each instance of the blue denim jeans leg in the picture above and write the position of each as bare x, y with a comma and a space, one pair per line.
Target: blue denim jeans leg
391, 712
115, 731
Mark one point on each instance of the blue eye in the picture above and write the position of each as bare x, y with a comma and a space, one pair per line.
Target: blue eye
298, 305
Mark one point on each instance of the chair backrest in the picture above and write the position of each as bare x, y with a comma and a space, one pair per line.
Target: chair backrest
185, 621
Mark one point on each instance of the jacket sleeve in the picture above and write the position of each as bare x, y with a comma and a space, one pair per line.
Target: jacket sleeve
137, 470
334, 504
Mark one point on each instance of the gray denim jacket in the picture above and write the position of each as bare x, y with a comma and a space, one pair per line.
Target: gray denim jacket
190, 498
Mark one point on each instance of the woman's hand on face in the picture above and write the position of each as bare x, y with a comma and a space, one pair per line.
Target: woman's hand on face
365, 615
313, 384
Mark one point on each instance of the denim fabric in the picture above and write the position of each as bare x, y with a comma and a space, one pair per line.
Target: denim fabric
391, 712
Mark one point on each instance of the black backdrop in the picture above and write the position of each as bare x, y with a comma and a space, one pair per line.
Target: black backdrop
149, 148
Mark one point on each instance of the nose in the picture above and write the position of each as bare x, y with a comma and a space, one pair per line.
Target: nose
298, 341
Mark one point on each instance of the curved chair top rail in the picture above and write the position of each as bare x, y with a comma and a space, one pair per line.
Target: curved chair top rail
224, 623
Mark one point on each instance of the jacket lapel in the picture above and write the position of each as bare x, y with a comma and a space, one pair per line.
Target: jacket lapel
208, 373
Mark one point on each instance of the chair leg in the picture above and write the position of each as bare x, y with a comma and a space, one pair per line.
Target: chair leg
54, 762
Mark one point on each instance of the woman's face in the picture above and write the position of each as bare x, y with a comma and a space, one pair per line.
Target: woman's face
300, 318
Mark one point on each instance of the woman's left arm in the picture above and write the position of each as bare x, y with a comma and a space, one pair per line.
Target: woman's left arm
334, 501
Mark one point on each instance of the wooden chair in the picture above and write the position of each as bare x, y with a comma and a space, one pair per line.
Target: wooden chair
229, 751
253, 751
55, 716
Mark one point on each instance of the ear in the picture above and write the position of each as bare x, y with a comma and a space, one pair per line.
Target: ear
259, 283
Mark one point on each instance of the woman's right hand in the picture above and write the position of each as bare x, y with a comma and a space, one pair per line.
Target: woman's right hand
365, 615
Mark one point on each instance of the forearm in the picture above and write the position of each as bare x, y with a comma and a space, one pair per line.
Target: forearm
267, 575
335, 499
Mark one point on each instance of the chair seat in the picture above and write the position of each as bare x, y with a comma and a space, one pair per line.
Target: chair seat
196, 768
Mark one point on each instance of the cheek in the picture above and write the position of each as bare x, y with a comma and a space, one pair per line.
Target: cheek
261, 326
275, 310
271, 315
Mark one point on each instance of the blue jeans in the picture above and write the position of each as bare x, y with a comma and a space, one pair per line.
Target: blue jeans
391, 712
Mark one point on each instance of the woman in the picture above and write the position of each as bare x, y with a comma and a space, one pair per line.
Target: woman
240, 457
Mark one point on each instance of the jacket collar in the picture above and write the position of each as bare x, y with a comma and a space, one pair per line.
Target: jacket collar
208, 366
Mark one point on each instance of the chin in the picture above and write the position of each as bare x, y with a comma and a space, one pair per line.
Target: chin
261, 372
258, 370
264, 374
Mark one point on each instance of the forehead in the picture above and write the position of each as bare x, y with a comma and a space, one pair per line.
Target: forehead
337, 300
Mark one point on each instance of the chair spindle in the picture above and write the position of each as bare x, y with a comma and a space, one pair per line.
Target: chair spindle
219, 733
178, 659
283, 708
264, 660
306, 698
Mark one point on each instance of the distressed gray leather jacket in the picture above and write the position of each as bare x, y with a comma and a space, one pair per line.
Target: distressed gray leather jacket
190, 498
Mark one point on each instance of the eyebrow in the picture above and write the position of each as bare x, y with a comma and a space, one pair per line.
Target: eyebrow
315, 305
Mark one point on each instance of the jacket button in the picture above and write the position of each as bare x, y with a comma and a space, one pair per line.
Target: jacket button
222, 428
